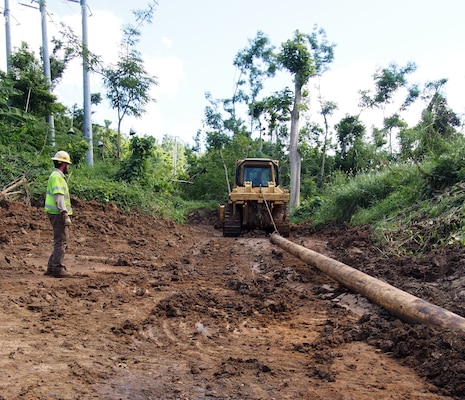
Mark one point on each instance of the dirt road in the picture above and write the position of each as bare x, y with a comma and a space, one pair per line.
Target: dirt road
158, 310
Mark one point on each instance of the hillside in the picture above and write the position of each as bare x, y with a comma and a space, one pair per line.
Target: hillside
159, 310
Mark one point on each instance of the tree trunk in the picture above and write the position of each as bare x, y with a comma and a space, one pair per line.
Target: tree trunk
294, 156
323, 152
118, 143
225, 171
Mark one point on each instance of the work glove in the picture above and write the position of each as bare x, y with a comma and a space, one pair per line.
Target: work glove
67, 221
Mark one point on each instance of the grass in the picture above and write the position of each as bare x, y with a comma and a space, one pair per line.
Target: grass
406, 217
369, 197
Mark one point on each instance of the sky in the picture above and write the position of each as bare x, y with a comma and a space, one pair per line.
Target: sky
191, 45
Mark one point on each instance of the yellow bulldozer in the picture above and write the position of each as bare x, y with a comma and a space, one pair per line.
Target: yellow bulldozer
256, 200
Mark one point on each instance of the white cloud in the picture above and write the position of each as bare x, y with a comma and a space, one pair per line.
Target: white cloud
342, 85
169, 74
166, 42
104, 34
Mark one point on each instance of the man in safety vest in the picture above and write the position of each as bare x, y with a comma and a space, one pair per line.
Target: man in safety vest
58, 208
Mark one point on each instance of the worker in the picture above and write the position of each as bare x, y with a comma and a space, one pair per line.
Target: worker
58, 208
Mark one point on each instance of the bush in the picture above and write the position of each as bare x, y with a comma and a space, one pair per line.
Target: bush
369, 195
447, 170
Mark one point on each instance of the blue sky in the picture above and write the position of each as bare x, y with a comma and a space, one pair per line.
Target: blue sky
191, 45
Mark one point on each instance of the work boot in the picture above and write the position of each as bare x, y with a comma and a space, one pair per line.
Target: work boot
49, 271
60, 272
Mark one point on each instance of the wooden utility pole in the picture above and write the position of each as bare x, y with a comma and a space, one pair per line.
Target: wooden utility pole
400, 303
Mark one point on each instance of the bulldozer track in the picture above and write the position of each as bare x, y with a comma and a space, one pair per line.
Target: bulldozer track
232, 222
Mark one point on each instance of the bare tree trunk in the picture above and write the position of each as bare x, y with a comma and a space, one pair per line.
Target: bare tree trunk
323, 152
118, 143
294, 156
225, 171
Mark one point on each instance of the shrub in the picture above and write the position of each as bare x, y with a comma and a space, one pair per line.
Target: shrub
369, 195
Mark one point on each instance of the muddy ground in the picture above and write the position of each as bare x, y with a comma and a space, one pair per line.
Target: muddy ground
158, 310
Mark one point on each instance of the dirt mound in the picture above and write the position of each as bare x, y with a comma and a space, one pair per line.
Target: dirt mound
169, 311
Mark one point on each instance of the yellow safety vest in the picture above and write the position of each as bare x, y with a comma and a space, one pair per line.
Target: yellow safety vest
57, 185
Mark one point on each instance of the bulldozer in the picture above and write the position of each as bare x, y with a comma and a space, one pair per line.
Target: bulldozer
256, 200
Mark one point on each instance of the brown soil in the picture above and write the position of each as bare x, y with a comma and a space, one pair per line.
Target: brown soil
158, 310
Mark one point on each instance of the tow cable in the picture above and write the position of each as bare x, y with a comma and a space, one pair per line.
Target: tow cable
271, 217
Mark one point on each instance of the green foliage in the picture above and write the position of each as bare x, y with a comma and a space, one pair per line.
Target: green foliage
388, 80
209, 183
449, 168
349, 129
436, 130
127, 196
75, 145
127, 83
348, 199
257, 62
306, 209
19, 130
136, 166
309, 188
27, 162
27, 136
387, 83
106, 140
391, 205
33, 90
296, 57
11, 115
425, 225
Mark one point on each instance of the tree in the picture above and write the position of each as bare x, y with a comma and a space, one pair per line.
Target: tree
19, 130
438, 122
390, 123
257, 62
327, 109
136, 166
216, 139
277, 111
127, 82
310, 149
387, 83
27, 77
12, 116
389, 80
350, 132
304, 56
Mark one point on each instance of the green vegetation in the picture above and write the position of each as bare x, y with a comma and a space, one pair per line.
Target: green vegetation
406, 182
368, 197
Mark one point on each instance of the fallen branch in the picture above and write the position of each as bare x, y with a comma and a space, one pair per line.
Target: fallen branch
12, 186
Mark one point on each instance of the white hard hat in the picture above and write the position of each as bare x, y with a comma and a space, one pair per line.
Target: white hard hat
62, 156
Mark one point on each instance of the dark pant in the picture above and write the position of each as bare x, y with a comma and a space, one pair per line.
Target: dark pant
60, 239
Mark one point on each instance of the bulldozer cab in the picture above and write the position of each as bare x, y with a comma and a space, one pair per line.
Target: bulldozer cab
259, 172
